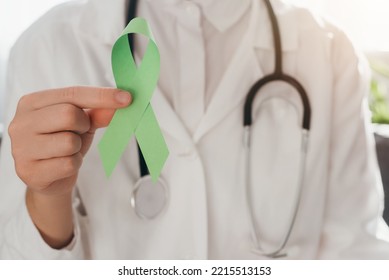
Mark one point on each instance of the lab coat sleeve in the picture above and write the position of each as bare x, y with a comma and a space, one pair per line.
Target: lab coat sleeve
28, 71
22, 240
353, 225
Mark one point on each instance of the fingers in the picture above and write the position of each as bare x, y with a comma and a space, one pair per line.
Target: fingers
54, 145
43, 173
82, 97
53, 129
59, 117
67, 117
100, 118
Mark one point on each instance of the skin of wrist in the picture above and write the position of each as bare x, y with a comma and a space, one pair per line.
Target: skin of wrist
52, 216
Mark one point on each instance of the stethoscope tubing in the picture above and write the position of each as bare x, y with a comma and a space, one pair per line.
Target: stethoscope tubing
277, 77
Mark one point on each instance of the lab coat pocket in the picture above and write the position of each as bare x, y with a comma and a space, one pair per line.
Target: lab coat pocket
275, 157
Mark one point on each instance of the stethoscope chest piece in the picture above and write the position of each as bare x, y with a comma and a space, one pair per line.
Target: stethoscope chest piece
149, 198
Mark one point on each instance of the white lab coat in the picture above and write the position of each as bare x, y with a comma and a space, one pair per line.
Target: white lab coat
207, 214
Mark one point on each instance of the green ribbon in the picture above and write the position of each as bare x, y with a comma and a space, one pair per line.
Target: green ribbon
138, 118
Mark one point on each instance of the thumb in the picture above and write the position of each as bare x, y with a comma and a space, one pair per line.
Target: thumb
98, 118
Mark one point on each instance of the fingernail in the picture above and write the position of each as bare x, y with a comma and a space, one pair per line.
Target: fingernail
122, 97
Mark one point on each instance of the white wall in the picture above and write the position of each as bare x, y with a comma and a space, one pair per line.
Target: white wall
366, 21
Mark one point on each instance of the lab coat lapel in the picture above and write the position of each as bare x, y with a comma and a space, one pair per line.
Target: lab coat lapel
169, 121
245, 69
240, 75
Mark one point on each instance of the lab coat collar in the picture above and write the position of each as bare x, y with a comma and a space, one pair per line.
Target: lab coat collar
232, 10
115, 12
221, 14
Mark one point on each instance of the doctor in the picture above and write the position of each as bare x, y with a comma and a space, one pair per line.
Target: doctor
56, 203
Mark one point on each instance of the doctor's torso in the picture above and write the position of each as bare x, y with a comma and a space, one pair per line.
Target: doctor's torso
208, 64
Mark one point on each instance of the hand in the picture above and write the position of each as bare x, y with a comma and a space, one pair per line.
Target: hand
50, 134
52, 130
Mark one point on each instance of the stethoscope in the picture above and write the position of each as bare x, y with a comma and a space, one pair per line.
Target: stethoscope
149, 199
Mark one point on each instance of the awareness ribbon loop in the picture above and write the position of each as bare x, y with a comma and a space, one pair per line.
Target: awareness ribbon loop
138, 118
